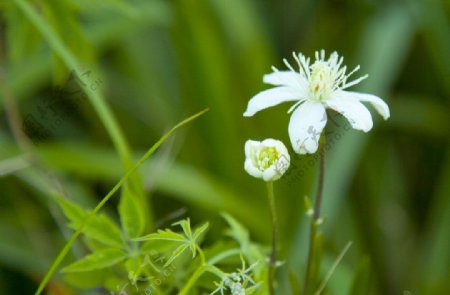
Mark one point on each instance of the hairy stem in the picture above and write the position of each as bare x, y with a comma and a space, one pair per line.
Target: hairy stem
274, 255
314, 222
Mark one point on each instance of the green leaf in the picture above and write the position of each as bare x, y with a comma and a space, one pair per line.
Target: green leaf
186, 226
72, 211
294, 282
99, 227
132, 213
187, 240
195, 238
199, 231
237, 231
97, 260
94, 245
362, 279
88, 279
22, 38
166, 235
176, 253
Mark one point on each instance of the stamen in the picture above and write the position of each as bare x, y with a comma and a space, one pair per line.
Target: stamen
354, 70
288, 65
341, 60
305, 66
297, 60
333, 59
354, 82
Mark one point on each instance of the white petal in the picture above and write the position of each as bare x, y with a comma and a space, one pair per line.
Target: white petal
285, 78
251, 169
305, 126
249, 145
381, 107
355, 112
270, 98
271, 174
270, 142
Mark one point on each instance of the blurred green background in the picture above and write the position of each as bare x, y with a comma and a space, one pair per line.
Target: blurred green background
155, 62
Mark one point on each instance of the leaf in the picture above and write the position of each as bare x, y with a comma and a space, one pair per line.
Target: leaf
22, 38
186, 226
195, 238
176, 253
294, 282
88, 279
187, 240
132, 213
237, 231
166, 235
99, 228
362, 279
97, 260
200, 230
72, 211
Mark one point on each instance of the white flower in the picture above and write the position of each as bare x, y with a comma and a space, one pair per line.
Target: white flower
268, 159
313, 88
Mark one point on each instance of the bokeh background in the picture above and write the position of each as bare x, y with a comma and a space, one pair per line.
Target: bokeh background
155, 62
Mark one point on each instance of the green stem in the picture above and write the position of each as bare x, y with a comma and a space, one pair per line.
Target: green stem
201, 254
315, 221
198, 273
192, 280
274, 255
69, 243
224, 255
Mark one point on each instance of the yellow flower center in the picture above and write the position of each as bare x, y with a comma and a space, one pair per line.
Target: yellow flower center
322, 80
266, 157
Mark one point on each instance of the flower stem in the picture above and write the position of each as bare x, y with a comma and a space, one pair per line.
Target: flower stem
274, 255
314, 222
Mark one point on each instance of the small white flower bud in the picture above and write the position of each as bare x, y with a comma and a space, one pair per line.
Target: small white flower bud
268, 159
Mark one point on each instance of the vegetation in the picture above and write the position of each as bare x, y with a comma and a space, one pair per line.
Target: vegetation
96, 180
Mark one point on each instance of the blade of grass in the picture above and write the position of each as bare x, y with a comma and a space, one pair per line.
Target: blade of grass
435, 254
94, 95
72, 62
69, 243
333, 268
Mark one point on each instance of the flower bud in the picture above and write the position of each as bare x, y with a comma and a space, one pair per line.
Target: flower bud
268, 159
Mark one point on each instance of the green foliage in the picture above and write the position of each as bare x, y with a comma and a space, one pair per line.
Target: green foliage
158, 60
142, 266
132, 213
98, 260
99, 228
188, 240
